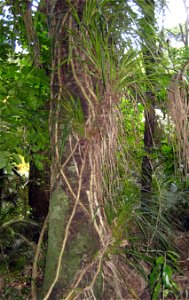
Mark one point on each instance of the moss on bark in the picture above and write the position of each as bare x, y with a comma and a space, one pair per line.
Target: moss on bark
80, 249
58, 209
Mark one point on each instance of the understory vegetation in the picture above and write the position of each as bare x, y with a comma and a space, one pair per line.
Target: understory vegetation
94, 151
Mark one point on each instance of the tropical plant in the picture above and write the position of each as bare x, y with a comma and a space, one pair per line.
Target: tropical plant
161, 280
94, 72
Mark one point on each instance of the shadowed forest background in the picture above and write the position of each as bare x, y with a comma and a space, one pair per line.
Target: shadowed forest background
94, 151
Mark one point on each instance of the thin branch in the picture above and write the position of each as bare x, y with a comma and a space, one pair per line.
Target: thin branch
78, 82
71, 154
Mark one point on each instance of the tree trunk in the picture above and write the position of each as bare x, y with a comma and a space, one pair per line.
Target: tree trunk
147, 163
149, 54
38, 192
80, 128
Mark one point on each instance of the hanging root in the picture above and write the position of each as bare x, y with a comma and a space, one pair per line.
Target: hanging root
178, 109
91, 156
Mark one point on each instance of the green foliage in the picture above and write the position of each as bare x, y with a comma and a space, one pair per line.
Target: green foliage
161, 276
24, 90
104, 60
133, 128
16, 247
117, 62
16, 238
12, 236
142, 235
178, 56
24, 112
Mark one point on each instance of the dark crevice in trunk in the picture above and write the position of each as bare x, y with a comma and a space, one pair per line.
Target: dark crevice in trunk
38, 192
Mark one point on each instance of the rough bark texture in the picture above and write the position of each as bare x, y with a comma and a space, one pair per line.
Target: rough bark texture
80, 262
77, 225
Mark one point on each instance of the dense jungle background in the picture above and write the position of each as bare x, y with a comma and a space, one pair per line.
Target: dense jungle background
94, 151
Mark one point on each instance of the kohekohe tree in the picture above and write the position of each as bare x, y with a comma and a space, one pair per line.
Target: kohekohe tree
78, 73
86, 77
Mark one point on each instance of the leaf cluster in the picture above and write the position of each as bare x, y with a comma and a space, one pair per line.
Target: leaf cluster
24, 111
161, 280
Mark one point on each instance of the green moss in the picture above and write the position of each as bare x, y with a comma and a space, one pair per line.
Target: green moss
98, 287
81, 248
58, 209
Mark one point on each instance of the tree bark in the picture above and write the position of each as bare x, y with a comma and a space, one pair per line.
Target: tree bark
147, 163
149, 53
78, 229
38, 192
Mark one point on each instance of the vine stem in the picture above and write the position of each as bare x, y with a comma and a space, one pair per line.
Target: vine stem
36, 258
67, 231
